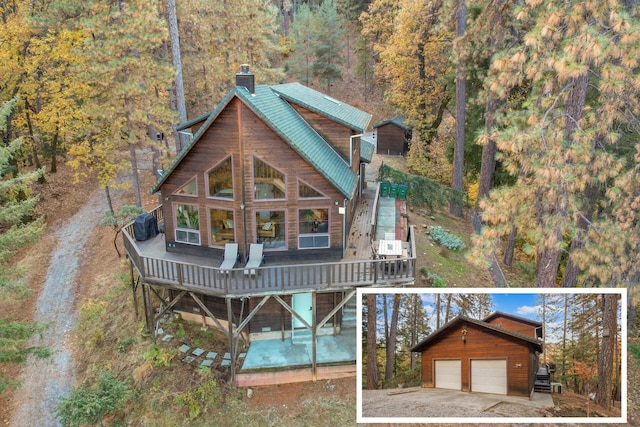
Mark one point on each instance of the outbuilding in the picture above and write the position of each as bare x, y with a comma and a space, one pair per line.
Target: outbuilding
393, 136
477, 356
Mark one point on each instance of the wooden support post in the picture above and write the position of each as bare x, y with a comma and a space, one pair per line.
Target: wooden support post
232, 366
133, 288
314, 337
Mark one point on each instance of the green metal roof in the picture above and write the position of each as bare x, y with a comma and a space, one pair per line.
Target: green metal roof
324, 105
398, 121
367, 148
290, 126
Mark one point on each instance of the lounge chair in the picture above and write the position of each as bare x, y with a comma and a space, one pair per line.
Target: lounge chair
255, 259
230, 257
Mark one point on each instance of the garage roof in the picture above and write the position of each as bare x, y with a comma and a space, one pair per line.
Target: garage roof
461, 319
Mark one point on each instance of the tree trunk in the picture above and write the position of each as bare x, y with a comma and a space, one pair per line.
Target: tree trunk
461, 99
372, 354
134, 174
54, 153
488, 165
448, 310
391, 342
609, 344
564, 336
177, 63
547, 268
438, 311
510, 248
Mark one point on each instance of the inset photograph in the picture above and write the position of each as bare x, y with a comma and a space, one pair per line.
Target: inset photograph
435, 355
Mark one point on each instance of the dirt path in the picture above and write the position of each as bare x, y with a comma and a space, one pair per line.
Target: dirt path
44, 382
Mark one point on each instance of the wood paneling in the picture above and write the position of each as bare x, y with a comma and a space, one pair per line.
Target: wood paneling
238, 132
337, 134
514, 325
481, 343
390, 139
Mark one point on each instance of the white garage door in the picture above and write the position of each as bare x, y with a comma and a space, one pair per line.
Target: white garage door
489, 376
448, 374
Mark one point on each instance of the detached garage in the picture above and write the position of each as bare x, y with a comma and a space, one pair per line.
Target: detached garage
471, 355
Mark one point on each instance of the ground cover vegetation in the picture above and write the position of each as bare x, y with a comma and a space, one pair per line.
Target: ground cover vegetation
550, 131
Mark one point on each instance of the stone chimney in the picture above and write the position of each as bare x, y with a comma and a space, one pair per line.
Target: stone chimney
245, 79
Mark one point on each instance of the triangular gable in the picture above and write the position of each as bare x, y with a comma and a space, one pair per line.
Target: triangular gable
460, 319
291, 127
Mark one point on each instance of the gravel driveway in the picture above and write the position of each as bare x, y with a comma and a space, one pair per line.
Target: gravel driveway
44, 382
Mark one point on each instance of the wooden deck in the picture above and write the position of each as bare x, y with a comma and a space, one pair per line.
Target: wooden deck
155, 266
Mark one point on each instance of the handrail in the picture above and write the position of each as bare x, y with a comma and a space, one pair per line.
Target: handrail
270, 278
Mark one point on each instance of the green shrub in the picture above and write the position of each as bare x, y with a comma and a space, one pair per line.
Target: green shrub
437, 280
89, 405
198, 398
159, 356
446, 239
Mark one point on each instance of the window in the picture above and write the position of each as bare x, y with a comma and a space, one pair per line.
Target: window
221, 180
313, 228
187, 224
271, 229
222, 227
189, 189
307, 192
269, 182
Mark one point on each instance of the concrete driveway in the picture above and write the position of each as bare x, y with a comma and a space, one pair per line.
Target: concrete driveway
417, 402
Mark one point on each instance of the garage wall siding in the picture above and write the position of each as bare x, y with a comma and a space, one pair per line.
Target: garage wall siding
515, 326
480, 344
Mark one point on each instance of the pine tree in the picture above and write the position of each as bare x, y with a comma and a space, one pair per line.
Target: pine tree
17, 203
565, 138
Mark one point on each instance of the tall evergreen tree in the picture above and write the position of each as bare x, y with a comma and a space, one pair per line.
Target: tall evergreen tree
564, 139
17, 203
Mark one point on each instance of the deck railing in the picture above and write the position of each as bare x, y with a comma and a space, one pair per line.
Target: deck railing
269, 278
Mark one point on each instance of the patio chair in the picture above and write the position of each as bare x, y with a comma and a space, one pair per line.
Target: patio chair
230, 257
255, 259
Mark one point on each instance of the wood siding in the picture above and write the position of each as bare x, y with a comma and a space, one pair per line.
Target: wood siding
481, 343
391, 140
239, 133
337, 135
514, 325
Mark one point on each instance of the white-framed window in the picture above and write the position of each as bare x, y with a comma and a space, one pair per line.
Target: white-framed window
313, 228
187, 224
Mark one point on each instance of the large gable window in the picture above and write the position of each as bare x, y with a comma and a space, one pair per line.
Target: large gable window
269, 182
189, 189
222, 227
271, 229
187, 224
220, 180
306, 191
313, 228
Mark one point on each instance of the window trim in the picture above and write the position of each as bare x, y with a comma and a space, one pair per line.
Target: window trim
323, 197
177, 192
210, 231
207, 185
186, 230
327, 233
253, 179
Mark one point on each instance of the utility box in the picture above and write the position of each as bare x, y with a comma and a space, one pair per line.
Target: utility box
556, 388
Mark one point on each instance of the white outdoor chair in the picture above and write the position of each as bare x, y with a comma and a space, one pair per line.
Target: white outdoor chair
230, 257
255, 259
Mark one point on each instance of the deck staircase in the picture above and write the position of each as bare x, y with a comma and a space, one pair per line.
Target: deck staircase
349, 314
542, 383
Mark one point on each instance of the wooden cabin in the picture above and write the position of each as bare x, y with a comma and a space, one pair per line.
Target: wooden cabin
277, 165
280, 167
393, 136
477, 356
